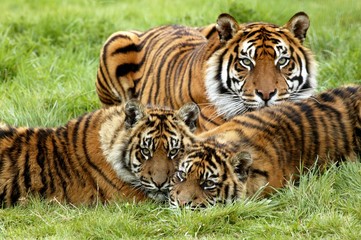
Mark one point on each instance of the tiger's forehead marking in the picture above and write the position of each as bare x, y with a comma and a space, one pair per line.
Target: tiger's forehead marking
196, 169
161, 115
162, 130
262, 32
160, 119
163, 118
256, 26
203, 162
261, 49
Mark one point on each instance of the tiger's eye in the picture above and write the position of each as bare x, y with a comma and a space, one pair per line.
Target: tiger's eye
282, 61
145, 152
246, 62
173, 152
181, 175
209, 184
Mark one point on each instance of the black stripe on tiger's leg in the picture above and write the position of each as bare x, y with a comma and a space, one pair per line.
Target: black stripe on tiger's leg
26, 167
13, 190
61, 172
51, 187
26, 173
40, 159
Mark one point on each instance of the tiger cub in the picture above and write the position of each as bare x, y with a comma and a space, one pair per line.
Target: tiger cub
265, 149
227, 68
124, 152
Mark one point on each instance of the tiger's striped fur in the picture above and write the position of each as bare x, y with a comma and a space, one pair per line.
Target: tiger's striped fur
96, 157
226, 68
267, 148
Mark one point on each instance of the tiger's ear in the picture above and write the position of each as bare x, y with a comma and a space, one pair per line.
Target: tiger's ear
134, 111
189, 113
241, 162
298, 25
226, 27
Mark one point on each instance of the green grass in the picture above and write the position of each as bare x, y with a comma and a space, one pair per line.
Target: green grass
48, 59
327, 207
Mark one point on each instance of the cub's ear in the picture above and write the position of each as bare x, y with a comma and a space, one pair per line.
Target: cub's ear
189, 113
226, 27
241, 162
298, 25
134, 111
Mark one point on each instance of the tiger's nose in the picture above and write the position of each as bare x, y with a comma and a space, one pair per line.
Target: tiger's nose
266, 95
187, 200
159, 182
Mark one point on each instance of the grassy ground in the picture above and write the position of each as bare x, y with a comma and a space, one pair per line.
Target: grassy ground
48, 59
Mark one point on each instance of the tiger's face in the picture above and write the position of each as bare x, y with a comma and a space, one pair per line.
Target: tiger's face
207, 175
259, 65
155, 149
154, 141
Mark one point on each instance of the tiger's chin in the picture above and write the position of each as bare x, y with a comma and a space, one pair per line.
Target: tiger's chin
158, 196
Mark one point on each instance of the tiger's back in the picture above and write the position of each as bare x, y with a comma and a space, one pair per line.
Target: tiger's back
138, 60
278, 142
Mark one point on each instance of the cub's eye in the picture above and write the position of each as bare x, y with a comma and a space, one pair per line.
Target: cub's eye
181, 175
283, 61
246, 62
209, 184
145, 152
173, 152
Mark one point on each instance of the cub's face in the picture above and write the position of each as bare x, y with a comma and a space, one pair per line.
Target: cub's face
259, 65
157, 138
206, 175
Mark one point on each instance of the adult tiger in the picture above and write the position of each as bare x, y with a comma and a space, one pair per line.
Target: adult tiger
265, 149
226, 68
124, 152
